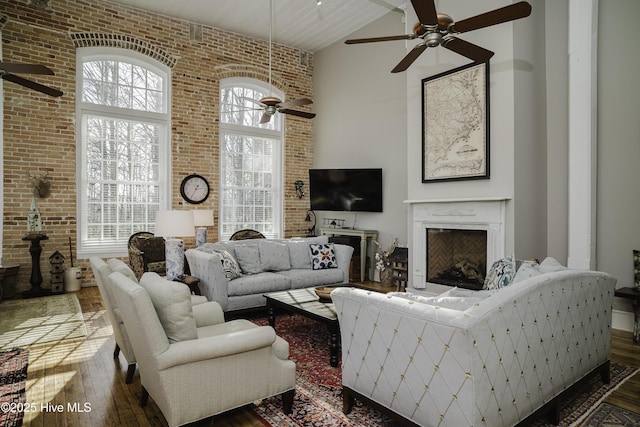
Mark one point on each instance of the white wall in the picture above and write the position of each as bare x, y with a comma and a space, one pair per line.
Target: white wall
342, 78
618, 233
361, 121
557, 131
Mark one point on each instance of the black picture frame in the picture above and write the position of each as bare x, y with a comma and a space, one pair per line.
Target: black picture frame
455, 124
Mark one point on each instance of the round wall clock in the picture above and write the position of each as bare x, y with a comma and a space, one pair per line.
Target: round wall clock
194, 189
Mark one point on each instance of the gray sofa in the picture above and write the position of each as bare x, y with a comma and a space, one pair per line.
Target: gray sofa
265, 265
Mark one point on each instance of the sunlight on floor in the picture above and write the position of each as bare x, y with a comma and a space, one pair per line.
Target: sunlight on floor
59, 368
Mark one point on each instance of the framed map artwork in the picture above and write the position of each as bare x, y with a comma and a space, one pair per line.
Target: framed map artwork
455, 124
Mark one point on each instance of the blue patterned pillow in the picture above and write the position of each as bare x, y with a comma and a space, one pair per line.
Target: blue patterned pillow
501, 273
323, 256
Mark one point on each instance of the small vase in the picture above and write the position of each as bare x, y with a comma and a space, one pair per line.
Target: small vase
386, 277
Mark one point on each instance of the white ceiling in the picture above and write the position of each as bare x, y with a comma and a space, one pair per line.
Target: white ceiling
297, 23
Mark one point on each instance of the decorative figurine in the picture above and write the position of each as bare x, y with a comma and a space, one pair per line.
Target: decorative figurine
34, 222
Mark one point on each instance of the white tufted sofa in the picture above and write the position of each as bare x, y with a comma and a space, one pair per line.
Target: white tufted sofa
492, 364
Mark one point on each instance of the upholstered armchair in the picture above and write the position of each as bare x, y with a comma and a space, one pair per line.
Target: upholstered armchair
246, 234
194, 364
135, 253
101, 271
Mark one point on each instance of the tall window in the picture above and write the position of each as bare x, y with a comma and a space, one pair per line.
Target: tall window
250, 161
124, 150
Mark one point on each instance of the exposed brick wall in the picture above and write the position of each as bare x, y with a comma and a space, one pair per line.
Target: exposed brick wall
39, 131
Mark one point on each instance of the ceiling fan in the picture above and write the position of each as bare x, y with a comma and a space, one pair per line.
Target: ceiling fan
7, 69
438, 29
271, 104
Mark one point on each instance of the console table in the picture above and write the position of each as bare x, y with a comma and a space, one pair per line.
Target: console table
366, 238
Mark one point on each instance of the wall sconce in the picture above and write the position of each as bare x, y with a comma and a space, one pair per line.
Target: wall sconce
299, 189
311, 216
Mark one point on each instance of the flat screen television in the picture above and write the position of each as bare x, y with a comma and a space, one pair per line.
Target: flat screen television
352, 190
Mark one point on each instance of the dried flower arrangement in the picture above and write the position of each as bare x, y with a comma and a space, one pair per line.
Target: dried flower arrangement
383, 257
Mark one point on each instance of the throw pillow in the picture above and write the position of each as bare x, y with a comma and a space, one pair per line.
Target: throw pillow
323, 256
248, 256
527, 270
274, 256
299, 250
230, 265
549, 265
501, 273
172, 301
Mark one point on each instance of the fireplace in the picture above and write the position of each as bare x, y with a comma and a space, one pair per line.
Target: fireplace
456, 257
455, 242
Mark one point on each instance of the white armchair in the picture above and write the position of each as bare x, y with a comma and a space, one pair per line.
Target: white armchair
101, 271
192, 363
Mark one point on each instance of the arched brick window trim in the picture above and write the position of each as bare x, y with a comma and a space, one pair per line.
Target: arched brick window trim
250, 71
125, 42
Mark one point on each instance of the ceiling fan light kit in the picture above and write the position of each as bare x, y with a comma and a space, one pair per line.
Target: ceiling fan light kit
439, 29
272, 104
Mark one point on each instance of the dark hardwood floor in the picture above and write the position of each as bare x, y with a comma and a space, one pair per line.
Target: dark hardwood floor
83, 372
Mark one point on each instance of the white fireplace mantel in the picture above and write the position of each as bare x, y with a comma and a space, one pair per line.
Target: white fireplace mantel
488, 214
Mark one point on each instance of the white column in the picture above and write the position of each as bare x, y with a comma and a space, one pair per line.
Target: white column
583, 46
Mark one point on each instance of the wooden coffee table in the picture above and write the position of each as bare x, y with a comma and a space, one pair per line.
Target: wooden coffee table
305, 302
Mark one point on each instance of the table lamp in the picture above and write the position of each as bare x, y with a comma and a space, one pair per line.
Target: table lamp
171, 225
202, 218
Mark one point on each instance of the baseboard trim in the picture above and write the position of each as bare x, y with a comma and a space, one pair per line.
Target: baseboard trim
622, 320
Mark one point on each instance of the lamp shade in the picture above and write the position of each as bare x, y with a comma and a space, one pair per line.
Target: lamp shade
203, 218
174, 223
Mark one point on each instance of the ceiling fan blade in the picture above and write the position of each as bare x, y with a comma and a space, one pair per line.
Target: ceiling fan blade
31, 85
25, 68
410, 58
254, 101
295, 103
426, 11
304, 114
504, 14
381, 39
265, 118
464, 48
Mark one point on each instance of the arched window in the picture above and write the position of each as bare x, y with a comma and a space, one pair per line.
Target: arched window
250, 160
123, 136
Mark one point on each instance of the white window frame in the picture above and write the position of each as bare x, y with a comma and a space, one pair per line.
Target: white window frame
258, 132
117, 247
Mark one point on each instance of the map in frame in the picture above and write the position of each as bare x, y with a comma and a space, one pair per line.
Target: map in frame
455, 124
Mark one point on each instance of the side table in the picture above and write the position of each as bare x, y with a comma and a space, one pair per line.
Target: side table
634, 295
191, 282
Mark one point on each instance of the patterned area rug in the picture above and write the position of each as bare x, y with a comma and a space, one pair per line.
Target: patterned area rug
36, 320
13, 378
318, 400
611, 416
